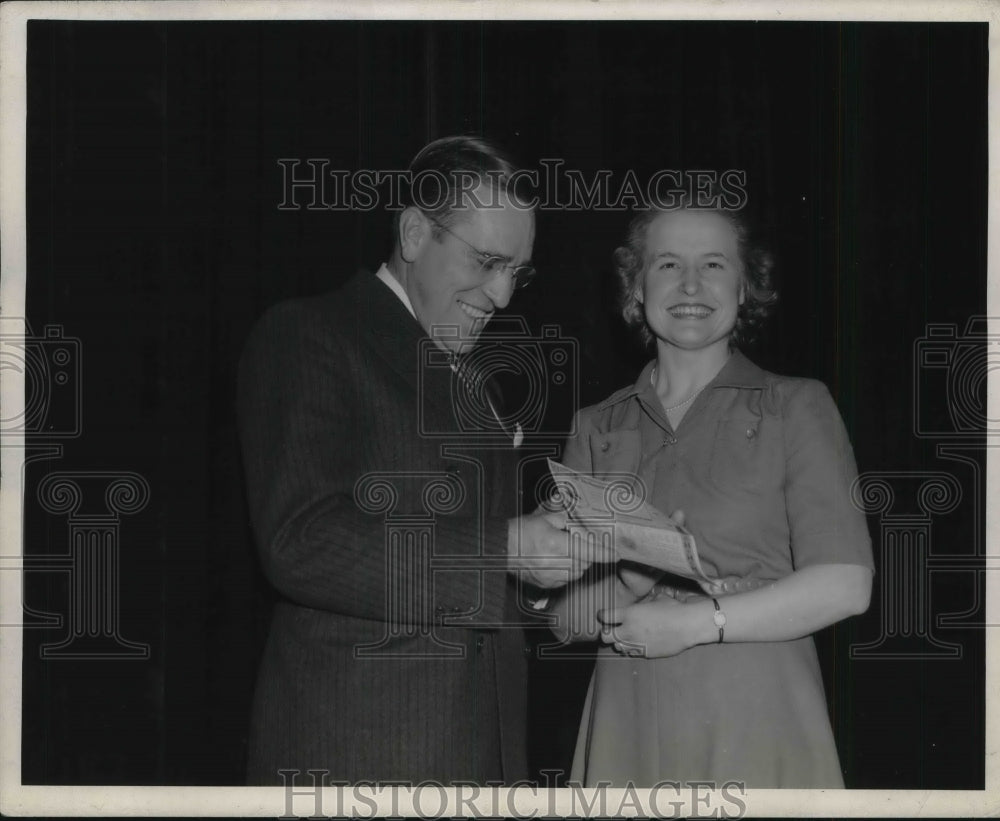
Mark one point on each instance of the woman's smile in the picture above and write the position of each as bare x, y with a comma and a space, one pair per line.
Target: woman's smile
690, 310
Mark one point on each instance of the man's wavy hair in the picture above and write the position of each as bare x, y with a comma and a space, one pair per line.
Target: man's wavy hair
757, 264
448, 161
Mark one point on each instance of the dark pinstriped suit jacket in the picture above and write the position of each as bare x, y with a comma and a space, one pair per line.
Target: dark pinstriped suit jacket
330, 391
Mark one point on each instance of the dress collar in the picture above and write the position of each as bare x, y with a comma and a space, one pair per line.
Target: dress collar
738, 372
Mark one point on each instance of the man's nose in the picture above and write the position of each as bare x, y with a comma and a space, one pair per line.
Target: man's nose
500, 288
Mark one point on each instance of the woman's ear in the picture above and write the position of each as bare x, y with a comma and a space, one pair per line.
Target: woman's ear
414, 231
639, 295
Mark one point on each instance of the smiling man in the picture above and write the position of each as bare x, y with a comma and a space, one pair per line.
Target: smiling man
463, 243
387, 526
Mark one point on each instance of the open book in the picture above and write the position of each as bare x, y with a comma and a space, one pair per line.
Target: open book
640, 532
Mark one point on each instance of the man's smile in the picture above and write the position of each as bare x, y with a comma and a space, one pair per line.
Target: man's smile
474, 312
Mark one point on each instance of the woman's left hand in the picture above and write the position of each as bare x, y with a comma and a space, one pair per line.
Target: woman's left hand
652, 629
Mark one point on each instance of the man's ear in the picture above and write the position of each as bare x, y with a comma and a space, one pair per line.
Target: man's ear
414, 231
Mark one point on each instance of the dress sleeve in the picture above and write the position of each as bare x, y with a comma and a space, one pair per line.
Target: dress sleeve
825, 525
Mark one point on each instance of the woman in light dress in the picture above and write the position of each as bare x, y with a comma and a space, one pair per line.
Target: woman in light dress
721, 684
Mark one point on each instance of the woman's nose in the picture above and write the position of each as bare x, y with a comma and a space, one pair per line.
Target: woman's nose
689, 280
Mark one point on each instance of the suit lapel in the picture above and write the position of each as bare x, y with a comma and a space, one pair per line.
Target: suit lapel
402, 344
406, 349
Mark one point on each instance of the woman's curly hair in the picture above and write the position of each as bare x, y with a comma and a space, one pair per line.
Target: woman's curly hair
757, 263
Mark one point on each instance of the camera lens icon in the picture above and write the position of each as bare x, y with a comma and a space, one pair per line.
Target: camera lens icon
48, 368
951, 376
15, 359
967, 380
506, 384
495, 364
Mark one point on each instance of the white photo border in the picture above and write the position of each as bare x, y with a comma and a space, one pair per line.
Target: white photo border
17, 799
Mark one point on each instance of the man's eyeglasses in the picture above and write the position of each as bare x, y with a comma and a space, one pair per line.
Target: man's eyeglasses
491, 265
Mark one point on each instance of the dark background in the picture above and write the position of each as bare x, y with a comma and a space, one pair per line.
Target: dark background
154, 238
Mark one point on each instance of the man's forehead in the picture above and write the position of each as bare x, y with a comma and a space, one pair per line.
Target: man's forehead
487, 196
501, 210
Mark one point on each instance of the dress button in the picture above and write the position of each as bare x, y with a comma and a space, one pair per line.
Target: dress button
670, 440
479, 643
605, 446
751, 433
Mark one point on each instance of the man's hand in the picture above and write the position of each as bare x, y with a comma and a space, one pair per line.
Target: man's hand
538, 545
640, 579
731, 584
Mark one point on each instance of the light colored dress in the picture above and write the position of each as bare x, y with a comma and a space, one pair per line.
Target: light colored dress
762, 467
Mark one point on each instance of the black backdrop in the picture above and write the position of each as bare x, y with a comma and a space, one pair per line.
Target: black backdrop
155, 239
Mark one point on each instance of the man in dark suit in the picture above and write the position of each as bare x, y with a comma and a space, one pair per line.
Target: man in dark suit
385, 512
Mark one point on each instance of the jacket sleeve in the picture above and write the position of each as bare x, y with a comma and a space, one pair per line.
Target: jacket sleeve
300, 422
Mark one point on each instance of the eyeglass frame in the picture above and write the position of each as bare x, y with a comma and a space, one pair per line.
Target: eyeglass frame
521, 275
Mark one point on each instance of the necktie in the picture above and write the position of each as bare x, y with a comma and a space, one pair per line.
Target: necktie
480, 404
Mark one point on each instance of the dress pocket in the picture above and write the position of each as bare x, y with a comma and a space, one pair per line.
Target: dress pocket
741, 458
615, 455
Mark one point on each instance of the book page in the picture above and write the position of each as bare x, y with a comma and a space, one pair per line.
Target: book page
640, 532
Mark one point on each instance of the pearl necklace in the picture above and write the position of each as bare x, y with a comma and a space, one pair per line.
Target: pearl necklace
688, 401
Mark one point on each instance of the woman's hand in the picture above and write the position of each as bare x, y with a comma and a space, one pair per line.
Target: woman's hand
799, 604
658, 628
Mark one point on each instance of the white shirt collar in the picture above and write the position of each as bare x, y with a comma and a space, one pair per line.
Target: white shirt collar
396, 287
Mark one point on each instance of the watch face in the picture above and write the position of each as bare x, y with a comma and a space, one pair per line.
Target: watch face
720, 618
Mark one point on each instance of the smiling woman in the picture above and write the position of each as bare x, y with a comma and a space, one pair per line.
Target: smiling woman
632, 260
722, 683
691, 288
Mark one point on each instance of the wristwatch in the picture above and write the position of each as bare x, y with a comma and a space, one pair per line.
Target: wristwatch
720, 619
